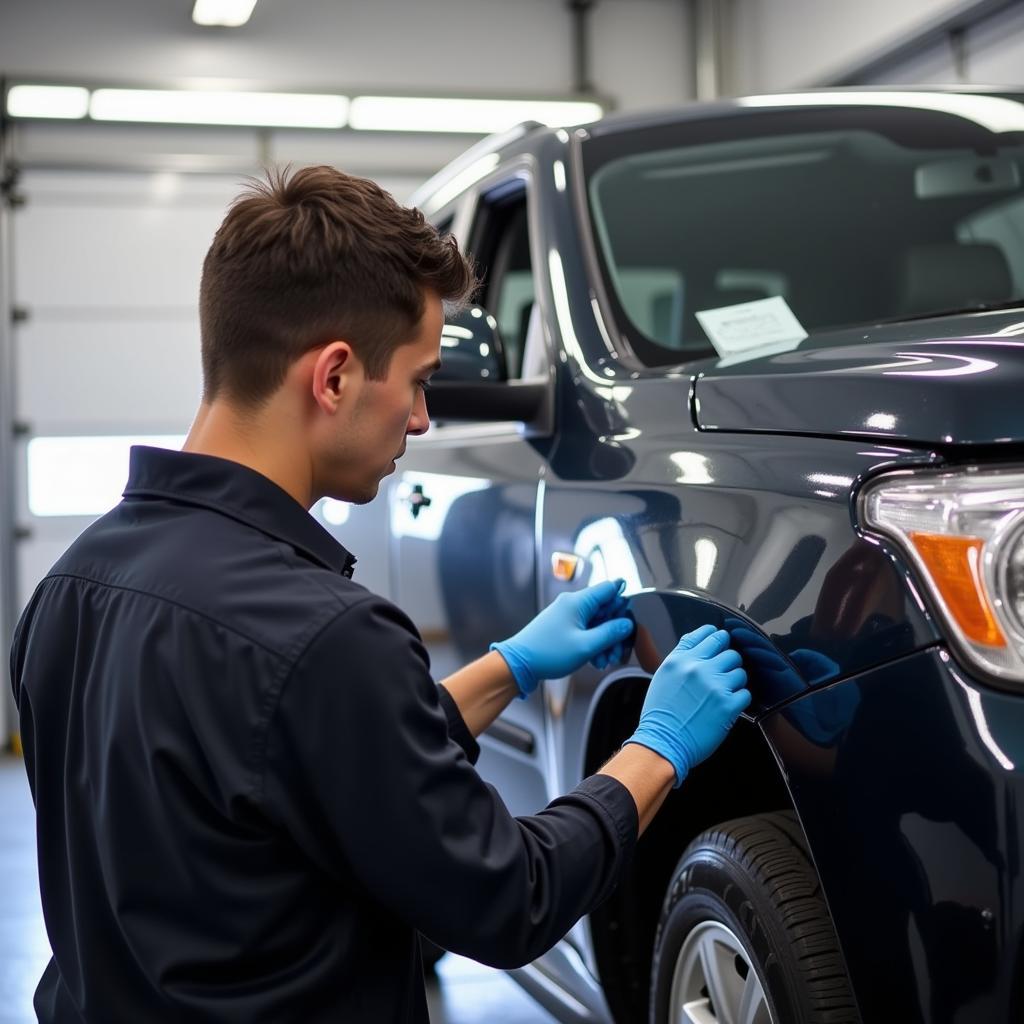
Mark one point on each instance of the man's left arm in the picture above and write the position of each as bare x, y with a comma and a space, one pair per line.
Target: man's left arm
588, 625
482, 690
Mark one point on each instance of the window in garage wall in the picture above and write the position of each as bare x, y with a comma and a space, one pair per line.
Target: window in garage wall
82, 476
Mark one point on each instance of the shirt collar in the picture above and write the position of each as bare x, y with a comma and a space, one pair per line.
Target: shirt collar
237, 491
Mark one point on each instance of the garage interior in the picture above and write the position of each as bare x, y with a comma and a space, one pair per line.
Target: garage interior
104, 221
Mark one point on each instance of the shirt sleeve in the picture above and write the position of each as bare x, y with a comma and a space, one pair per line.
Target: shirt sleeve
17, 653
362, 771
457, 728
12, 666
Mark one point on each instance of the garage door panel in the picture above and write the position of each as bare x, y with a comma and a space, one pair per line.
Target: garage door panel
85, 373
111, 256
144, 187
115, 240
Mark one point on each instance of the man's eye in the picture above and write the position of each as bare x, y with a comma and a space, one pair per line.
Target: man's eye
423, 384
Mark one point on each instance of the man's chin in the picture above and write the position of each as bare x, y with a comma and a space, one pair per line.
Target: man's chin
361, 493
367, 496
361, 497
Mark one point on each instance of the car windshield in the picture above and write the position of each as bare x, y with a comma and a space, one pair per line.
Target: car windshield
844, 216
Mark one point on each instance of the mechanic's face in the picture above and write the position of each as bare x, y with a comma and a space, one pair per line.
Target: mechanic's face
386, 411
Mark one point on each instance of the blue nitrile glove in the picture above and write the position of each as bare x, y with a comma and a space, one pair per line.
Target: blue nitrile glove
694, 699
575, 628
615, 654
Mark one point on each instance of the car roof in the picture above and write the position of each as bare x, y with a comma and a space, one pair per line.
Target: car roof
529, 135
927, 97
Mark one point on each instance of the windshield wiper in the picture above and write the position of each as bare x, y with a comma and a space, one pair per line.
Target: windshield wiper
974, 307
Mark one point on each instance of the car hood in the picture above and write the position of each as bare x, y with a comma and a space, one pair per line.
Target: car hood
955, 380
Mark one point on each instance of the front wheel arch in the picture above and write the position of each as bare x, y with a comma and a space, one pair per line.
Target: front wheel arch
741, 778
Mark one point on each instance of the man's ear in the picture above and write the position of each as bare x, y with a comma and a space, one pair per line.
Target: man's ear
333, 373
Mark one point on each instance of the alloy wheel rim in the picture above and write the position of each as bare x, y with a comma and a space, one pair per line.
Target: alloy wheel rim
715, 982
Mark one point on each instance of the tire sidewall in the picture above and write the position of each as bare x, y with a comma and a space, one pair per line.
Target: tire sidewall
708, 887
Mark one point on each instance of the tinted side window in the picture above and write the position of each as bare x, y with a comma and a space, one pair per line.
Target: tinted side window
500, 245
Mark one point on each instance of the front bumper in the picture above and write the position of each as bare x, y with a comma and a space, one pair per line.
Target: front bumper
909, 782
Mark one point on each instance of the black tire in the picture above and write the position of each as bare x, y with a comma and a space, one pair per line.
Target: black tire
754, 877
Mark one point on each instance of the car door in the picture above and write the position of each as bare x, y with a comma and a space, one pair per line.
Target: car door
463, 505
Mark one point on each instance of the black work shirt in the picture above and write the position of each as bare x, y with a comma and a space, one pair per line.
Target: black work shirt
250, 794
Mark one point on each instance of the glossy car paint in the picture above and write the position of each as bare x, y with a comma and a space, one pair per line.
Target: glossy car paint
727, 494
915, 374
911, 807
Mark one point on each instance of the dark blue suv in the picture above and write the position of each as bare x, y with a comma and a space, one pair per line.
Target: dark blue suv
763, 359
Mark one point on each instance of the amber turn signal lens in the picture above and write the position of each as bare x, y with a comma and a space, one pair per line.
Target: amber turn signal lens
955, 567
564, 566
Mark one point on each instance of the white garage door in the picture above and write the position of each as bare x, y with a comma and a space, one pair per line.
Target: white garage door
106, 276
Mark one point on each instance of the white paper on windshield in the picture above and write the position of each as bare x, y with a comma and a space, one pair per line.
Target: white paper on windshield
751, 329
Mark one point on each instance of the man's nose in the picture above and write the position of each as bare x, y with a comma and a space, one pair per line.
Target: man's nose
419, 421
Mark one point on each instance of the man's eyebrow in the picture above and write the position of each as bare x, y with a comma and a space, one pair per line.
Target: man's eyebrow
431, 367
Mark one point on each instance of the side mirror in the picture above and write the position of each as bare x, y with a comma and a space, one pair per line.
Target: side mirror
473, 384
471, 348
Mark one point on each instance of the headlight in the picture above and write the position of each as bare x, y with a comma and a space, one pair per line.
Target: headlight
964, 532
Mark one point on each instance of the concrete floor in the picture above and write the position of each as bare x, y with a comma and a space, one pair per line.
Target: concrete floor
465, 993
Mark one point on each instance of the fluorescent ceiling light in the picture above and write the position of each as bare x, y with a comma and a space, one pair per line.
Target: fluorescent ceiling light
481, 117
287, 110
996, 113
65, 101
231, 13
294, 110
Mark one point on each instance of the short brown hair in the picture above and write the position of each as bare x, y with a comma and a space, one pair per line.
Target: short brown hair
304, 258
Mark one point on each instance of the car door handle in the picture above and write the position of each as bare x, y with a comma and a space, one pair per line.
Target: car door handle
511, 735
418, 500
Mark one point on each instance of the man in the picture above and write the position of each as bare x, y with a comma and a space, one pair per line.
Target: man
250, 794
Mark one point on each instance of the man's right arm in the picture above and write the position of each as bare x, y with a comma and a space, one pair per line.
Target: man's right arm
694, 699
361, 771
648, 777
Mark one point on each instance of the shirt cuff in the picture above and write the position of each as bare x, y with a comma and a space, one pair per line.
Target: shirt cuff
457, 728
618, 806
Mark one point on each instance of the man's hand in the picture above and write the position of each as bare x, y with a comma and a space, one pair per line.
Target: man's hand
587, 625
694, 699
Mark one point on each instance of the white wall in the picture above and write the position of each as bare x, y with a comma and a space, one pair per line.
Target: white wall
996, 50
784, 44
993, 55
